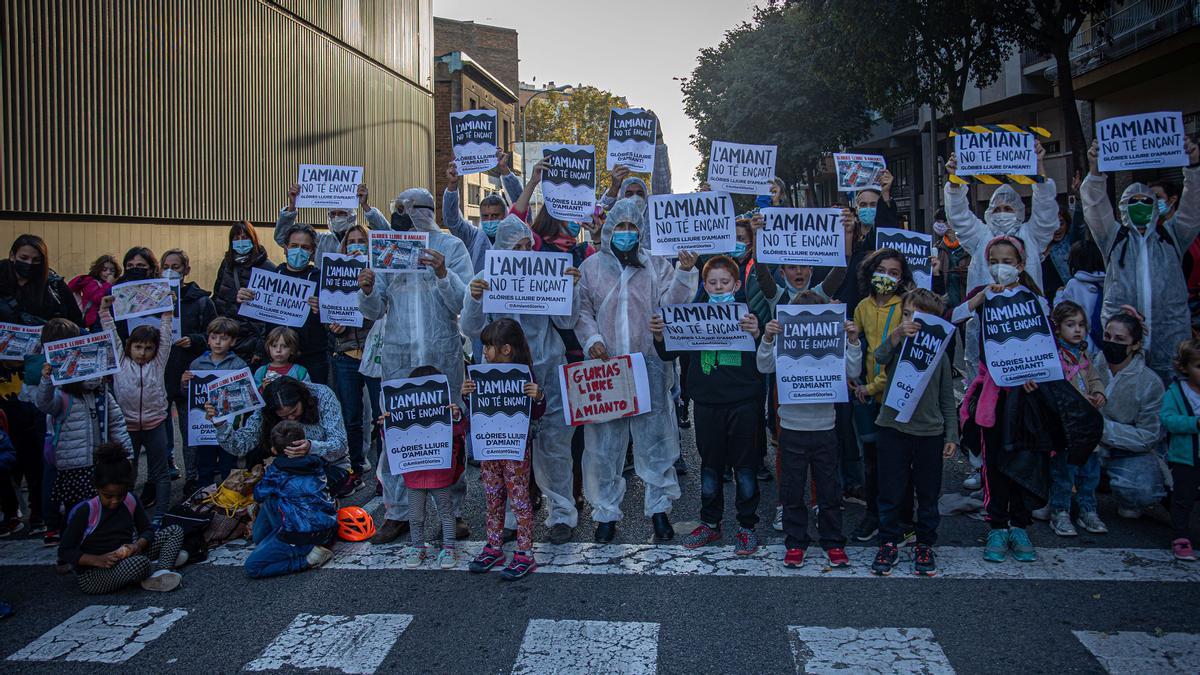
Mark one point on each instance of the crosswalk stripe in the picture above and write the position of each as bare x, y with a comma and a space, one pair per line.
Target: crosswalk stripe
872, 650
101, 634
351, 644
1141, 653
569, 647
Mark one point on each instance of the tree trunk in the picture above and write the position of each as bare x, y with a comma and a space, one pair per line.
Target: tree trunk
1076, 144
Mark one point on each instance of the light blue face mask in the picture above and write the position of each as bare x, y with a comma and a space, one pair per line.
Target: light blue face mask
624, 241
1163, 206
573, 228
867, 215
490, 227
739, 249
298, 257
356, 249
720, 297
242, 246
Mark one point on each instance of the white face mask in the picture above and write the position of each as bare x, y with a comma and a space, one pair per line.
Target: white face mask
940, 228
171, 275
340, 224
1004, 223
1004, 274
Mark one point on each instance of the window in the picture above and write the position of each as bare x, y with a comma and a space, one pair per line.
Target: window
473, 195
474, 106
505, 143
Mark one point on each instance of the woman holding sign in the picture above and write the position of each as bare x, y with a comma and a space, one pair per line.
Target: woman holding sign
244, 254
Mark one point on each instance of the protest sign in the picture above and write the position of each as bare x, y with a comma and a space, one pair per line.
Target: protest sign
339, 289
1017, 341
499, 411
855, 172
392, 252
740, 168
140, 298
801, 237
473, 134
328, 187
631, 139
919, 355
1149, 140
527, 282
917, 249
810, 354
705, 326
156, 320
278, 298
199, 430
233, 395
602, 390
418, 425
996, 152
82, 358
703, 222
569, 181
17, 341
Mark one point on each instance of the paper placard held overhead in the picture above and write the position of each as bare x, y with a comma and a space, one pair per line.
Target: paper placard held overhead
155, 320
997, 152
132, 299
82, 358
1149, 140
418, 425
527, 282
810, 354
801, 237
631, 139
706, 326
474, 136
855, 172
918, 359
278, 298
328, 187
741, 168
702, 222
569, 181
917, 248
499, 411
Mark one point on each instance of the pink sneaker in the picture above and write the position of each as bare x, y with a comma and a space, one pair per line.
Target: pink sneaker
1182, 548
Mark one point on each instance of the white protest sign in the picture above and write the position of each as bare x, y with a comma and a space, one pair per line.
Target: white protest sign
1149, 140
391, 252
199, 430
328, 187
703, 222
810, 354
598, 390
917, 249
918, 359
631, 139
706, 326
233, 395
569, 181
527, 282
140, 298
339, 289
17, 341
418, 425
499, 411
156, 321
740, 168
801, 237
278, 298
855, 172
474, 137
1017, 341
997, 152
82, 358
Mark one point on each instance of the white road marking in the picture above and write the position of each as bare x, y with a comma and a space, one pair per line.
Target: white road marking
568, 647
867, 650
351, 644
1143, 653
101, 634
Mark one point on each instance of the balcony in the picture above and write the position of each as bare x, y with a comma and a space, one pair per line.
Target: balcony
1130, 27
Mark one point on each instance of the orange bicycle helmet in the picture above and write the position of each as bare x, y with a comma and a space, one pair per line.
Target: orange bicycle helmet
355, 524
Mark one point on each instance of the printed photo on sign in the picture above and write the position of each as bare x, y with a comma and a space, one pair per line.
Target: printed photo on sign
855, 172
392, 252
703, 222
810, 354
569, 181
155, 320
705, 326
328, 187
631, 134
199, 430
17, 341
1017, 341
740, 168
418, 425
82, 358
801, 237
234, 394
278, 298
1150, 140
998, 152
919, 356
598, 390
499, 411
528, 282
338, 298
917, 249
140, 298
473, 134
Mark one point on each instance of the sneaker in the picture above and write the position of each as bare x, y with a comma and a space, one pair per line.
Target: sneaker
1018, 542
521, 565
36, 527
703, 535
837, 557
390, 531
1130, 513
973, 481
765, 475
11, 527
1089, 521
487, 559
908, 534
793, 558
867, 528
1043, 514
346, 487
560, 533
855, 495
173, 473
924, 564
777, 524
1060, 524
885, 560
446, 559
148, 497
996, 548
1182, 549
182, 558
163, 581
745, 542
413, 556
319, 555
51, 538
461, 531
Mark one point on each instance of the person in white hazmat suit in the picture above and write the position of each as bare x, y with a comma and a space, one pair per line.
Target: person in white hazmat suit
552, 462
339, 221
420, 315
621, 285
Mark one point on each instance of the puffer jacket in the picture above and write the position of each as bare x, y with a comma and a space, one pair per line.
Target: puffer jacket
90, 292
78, 433
1131, 413
231, 276
140, 389
197, 311
295, 489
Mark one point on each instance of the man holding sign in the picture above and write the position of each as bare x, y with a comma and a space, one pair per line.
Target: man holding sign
339, 220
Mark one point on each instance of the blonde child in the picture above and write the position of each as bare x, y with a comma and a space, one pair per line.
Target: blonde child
283, 346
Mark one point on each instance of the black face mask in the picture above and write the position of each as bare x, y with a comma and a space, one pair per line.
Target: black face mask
136, 273
1114, 353
24, 269
401, 221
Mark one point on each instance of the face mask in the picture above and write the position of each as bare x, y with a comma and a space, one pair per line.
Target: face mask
1140, 214
1004, 274
1163, 206
489, 227
940, 228
401, 222
298, 257
721, 297
242, 246
573, 228
340, 224
739, 249
883, 283
356, 249
624, 241
1113, 352
24, 269
866, 215
1005, 223
136, 273
171, 275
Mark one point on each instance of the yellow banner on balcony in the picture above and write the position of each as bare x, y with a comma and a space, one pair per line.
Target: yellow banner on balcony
997, 179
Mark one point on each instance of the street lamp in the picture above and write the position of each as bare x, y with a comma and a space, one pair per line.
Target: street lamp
523, 117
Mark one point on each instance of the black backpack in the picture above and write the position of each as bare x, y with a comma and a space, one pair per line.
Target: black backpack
194, 523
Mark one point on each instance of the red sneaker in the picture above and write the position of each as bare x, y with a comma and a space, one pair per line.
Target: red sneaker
794, 557
837, 557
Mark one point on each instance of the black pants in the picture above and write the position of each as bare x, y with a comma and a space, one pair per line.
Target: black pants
317, 365
907, 462
728, 436
1183, 498
800, 452
27, 429
1006, 501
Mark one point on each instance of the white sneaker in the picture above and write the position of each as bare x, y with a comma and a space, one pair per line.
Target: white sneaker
162, 581
973, 482
1043, 514
446, 559
319, 555
1090, 522
413, 556
778, 524
1060, 523
181, 559
1132, 514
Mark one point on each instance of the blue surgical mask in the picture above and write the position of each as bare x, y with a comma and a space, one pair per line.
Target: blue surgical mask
866, 214
242, 246
720, 297
298, 257
490, 227
624, 241
573, 228
356, 249
739, 249
1163, 206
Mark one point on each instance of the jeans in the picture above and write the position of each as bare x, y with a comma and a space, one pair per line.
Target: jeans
908, 462
1064, 476
272, 557
155, 442
727, 438
348, 384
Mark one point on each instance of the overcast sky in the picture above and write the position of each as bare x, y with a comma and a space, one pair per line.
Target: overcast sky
631, 48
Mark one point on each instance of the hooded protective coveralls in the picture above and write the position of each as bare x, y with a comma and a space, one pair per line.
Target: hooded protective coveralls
552, 461
420, 315
331, 241
615, 303
1143, 268
606, 202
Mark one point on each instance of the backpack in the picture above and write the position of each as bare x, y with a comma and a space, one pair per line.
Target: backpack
94, 510
1123, 238
194, 523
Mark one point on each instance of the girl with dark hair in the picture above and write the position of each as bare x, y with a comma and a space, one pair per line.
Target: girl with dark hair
90, 288
244, 254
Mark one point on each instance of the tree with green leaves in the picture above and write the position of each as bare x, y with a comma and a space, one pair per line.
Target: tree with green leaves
578, 119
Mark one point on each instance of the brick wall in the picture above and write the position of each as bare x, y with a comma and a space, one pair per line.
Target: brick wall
495, 48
